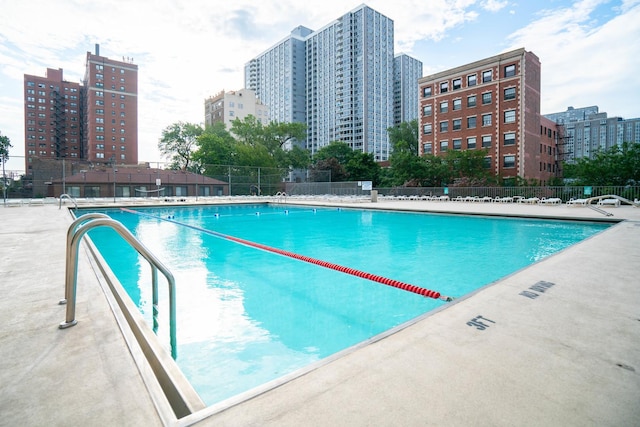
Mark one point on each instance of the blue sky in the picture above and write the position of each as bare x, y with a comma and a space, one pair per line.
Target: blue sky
189, 50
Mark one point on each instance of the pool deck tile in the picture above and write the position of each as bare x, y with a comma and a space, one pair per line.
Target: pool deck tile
560, 345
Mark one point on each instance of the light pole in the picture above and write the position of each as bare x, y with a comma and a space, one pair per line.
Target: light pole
4, 182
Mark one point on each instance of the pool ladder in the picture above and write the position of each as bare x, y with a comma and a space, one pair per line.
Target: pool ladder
76, 231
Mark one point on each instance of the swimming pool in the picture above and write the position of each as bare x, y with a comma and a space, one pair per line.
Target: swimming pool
246, 316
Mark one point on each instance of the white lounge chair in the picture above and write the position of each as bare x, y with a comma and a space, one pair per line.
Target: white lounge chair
577, 202
550, 201
609, 202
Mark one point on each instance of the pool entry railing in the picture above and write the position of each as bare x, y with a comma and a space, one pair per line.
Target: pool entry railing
76, 231
66, 196
281, 196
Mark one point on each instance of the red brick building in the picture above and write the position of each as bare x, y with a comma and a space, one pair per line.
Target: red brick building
96, 121
491, 104
52, 118
111, 110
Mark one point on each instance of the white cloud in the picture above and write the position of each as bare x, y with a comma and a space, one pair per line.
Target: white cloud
494, 5
585, 62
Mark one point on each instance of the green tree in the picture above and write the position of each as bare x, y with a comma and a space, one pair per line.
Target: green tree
340, 151
618, 165
216, 149
248, 131
363, 167
467, 165
178, 143
404, 137
297, 158
281, 133
328, 170
5, 144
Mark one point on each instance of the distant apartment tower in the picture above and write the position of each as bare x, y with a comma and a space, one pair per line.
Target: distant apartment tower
338, 80
225, 107
277, 76
96, 121
406, 72
111, 89
586, 131
53, 118
491, 104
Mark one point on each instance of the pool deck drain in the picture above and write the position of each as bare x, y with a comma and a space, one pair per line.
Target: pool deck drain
557, 343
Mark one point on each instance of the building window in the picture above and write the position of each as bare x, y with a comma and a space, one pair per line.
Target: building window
444, 87
427, 110
99, 119
444, 145
486, 141
457, 124
457, 84
99, 102
99, 137
509, 161
486, 98
457, 144
99, 155
471, 101
99, 128
486, 120
471, 143
472, 80
509, 93
457, 104
510, 116
444, 126
510, 70
487, 76
471, 122
486, 162
510, 138
444, 106
426, 91
427, 147
427, 129
99, 146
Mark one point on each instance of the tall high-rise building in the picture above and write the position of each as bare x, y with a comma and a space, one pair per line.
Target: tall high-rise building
339, 80
493, 105
586, 131
277, 76
96, 121
406, 72
111, 114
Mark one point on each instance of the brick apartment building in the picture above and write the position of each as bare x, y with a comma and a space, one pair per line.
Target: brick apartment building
491, 104
96, 121
112, 110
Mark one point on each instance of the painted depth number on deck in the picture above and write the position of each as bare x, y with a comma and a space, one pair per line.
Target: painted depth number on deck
481, 323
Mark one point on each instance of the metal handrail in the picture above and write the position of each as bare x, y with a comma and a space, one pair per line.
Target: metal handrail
76, 231
66, 196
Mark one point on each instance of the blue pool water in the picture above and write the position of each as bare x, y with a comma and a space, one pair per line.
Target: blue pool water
246, 316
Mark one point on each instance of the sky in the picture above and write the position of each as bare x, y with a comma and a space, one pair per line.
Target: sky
189, 50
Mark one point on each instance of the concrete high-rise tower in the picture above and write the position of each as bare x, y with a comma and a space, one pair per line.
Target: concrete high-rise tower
339, 80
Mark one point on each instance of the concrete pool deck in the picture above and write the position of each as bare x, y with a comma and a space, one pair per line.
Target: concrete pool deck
557, 343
